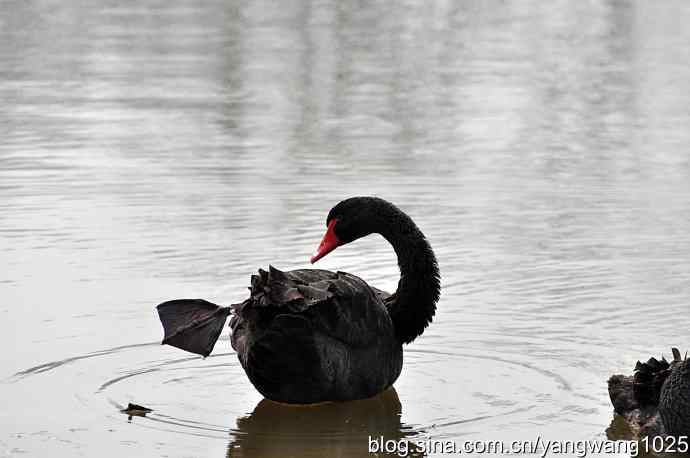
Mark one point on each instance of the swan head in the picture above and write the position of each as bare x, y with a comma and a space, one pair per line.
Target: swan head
348, 221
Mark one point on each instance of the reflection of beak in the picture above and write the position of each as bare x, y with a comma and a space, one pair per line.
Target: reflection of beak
329, 243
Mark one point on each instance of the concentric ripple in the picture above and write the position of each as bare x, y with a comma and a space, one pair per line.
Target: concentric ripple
211, 398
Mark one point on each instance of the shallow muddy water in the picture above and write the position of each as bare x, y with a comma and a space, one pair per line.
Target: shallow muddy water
169, 149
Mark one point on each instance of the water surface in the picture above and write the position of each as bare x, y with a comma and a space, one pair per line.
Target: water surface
169, 149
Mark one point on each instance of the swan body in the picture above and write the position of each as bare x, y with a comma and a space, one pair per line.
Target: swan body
297, 344
311, 335
674, 399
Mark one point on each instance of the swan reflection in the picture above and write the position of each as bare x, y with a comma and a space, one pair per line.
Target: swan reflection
337, 429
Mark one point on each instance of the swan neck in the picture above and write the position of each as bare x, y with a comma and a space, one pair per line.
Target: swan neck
413, 305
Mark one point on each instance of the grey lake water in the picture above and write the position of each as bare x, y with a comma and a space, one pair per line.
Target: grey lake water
159, 150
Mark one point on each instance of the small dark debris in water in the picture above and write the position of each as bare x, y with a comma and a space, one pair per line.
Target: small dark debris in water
135, 410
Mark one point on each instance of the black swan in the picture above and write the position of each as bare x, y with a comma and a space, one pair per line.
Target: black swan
309, 335
655, 400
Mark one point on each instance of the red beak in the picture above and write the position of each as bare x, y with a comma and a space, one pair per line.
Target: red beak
329, 243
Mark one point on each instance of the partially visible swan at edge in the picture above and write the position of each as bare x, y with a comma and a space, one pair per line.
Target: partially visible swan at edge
655, 400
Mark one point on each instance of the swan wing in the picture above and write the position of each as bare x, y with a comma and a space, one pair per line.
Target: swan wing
337, 304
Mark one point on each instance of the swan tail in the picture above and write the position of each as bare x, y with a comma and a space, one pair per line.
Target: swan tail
275, 288
648, 379
193, 325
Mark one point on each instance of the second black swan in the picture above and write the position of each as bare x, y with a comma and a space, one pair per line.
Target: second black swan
310, 335
655, 400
